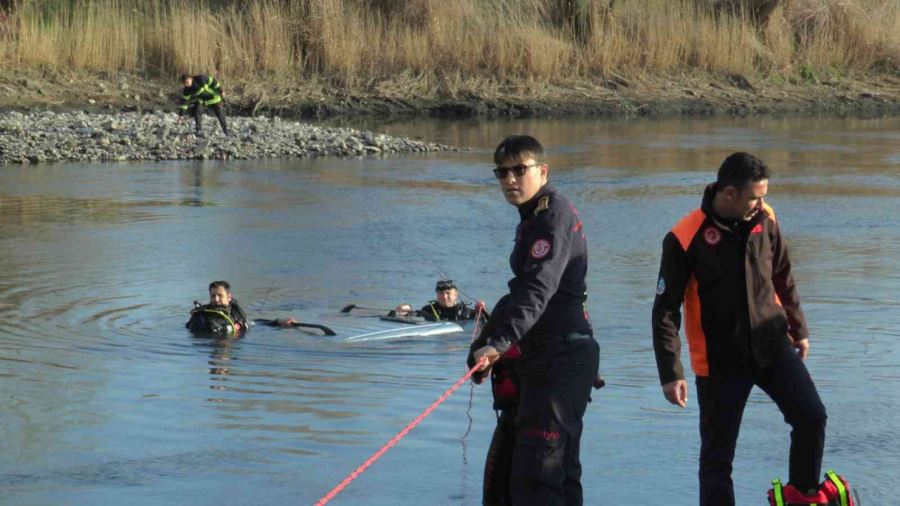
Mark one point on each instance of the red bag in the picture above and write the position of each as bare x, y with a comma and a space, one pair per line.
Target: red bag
834, 491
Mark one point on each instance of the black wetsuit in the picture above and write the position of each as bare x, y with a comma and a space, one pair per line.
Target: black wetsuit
218, 320
435, 312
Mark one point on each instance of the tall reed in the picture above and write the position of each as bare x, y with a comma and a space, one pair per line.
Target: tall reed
445, 42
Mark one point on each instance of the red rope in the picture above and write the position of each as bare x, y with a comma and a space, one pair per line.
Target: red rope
375, 456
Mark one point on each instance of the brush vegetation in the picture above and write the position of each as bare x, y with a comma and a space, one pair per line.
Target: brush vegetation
449, 45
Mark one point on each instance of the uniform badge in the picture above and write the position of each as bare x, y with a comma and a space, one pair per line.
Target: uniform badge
712, 235
757, 229
540, 249
543, 204
661, 286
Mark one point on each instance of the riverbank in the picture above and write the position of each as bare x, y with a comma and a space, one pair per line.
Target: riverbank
634, 95
48, 136
54, 117
326, 58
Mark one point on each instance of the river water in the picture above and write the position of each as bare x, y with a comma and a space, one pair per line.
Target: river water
106, 399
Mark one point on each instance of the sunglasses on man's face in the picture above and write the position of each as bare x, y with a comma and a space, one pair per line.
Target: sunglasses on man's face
517, 170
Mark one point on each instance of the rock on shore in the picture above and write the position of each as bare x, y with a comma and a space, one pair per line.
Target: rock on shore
82, 137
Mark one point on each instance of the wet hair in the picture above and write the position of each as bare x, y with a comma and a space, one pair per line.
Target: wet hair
185, 77
518, 146
739, 170
223, 284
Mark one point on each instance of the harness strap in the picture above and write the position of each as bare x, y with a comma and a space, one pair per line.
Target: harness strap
223, 315
842, 490
777, 492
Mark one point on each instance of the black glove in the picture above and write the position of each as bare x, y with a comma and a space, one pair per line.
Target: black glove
479, 376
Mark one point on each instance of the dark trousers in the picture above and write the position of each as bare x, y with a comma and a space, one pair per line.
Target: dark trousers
557, 376
499, 460
217, 108
722, 399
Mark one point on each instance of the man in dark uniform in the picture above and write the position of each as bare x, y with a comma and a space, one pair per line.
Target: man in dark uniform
728, 264
202, 90
446, 306
547, 319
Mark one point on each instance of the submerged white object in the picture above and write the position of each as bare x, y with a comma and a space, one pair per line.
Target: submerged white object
418, 330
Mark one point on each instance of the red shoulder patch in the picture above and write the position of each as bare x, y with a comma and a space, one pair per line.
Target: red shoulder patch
540, 249
712, 235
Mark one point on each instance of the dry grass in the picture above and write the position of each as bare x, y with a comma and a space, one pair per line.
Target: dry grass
445, 43
845, 34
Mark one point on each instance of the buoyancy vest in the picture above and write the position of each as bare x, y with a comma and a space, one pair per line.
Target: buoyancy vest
436, 312
218, 320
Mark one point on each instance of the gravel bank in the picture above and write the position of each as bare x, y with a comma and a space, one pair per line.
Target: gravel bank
81, 137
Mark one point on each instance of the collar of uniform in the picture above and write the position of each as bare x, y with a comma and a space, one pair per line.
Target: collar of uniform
732, 225
708, 195
707, 207
526, 209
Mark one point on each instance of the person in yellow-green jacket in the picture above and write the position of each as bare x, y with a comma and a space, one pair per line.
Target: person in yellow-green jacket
202, 90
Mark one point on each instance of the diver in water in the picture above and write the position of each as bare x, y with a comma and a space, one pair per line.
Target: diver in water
446, 306
223, 316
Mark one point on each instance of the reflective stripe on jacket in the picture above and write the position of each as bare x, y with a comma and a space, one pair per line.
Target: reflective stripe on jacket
204, 90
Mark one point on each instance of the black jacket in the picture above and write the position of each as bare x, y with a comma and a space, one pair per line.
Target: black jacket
740, 301
549, 261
